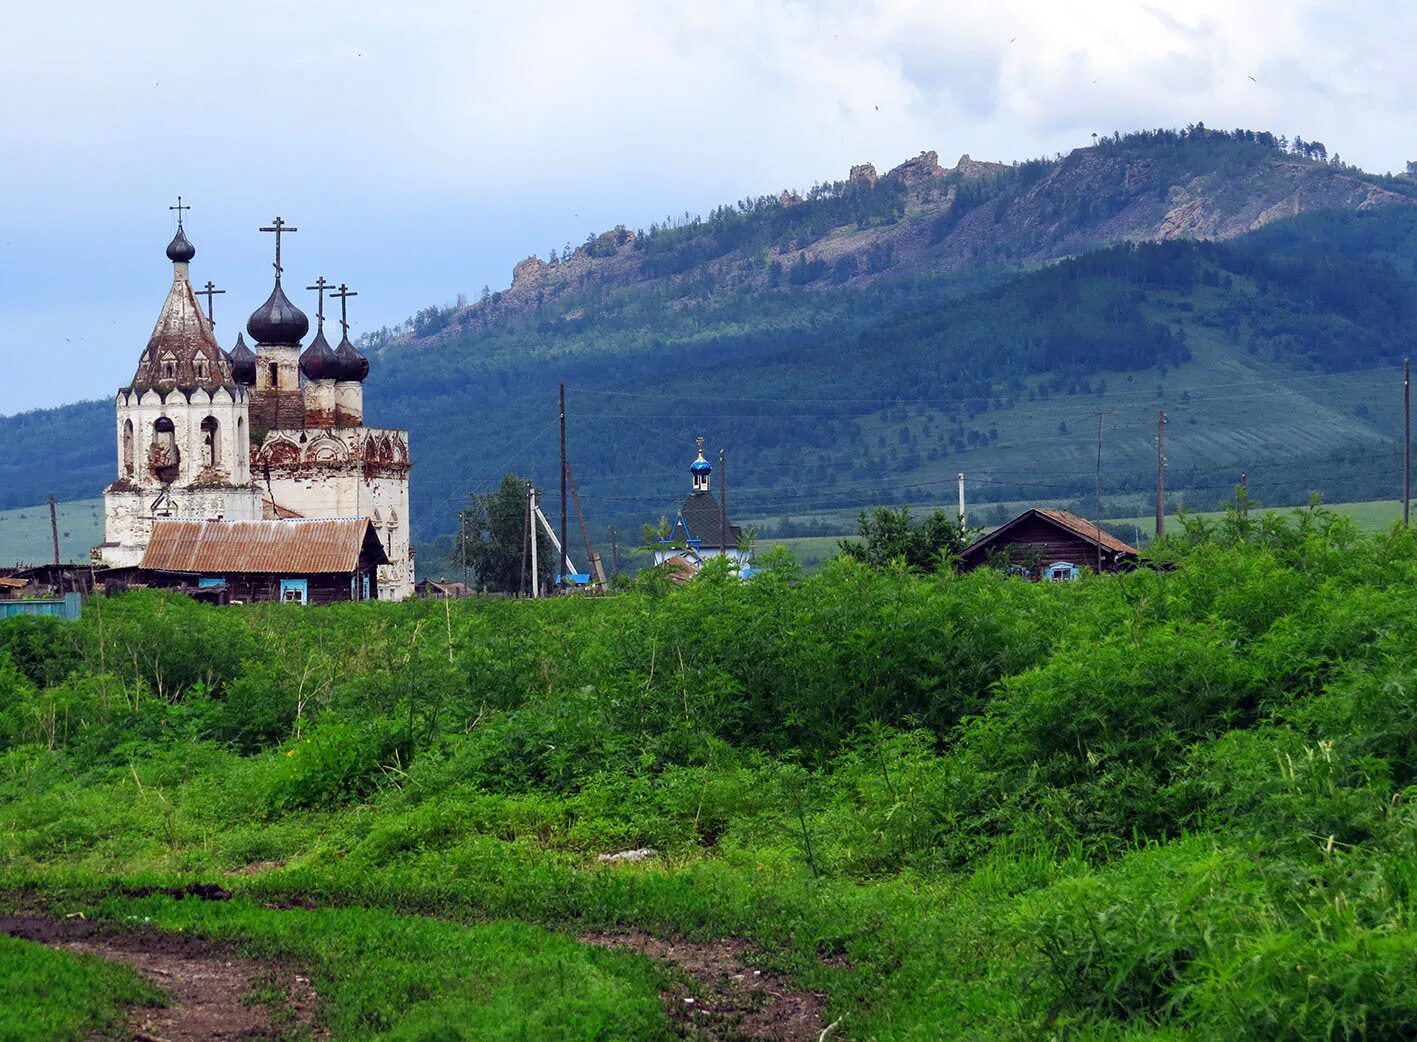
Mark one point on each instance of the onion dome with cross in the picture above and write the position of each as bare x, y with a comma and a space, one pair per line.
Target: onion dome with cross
700, 469
318, 362
350, 364
278, 321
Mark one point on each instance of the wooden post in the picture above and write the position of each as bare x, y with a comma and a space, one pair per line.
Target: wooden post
722, 503
462, 538
564, 549
961, 501
54, 527
1098, 522
531, 523
527, 533
614, 551
1160, 474
1406, 439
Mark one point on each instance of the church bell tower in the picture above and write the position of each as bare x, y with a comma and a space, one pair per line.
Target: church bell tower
182, 425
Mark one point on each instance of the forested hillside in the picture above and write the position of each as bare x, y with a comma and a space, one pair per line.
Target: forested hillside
866, 340
1170, 804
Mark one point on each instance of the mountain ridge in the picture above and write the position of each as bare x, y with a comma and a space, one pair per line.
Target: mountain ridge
920, 217
865, 341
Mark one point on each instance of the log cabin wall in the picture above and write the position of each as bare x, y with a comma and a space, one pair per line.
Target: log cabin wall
1044, 542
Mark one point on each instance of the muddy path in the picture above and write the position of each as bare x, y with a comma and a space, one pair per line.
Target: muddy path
722, 997
714, 992
209, 989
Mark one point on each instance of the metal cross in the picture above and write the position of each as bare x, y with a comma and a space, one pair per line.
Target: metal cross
179, 208
700, 442
343, 295
322, 286
209, 291
279, 227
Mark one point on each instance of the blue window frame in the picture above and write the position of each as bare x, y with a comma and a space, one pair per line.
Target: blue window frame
205, 583
294, 591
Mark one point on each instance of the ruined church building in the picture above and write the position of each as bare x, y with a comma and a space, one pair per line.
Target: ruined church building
272, 435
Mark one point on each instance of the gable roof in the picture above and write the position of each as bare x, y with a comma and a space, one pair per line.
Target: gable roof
700, 519
1069, 522
296, 546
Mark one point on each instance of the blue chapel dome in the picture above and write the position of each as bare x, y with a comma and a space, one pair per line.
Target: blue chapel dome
700, 466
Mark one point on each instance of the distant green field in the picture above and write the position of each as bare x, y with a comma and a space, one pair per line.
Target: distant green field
1374, 516
25, 536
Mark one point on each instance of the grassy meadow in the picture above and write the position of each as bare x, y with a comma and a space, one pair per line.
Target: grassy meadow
1170, 804
27, 538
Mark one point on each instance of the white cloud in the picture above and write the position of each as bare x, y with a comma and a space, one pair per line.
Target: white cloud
424, 147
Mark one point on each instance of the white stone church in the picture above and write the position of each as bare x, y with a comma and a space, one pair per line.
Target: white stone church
272, 435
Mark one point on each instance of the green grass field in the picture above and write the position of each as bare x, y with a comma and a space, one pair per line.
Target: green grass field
1375, 516
48, 995
25, 534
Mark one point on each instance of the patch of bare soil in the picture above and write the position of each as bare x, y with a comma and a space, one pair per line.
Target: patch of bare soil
210, 991
729, 1000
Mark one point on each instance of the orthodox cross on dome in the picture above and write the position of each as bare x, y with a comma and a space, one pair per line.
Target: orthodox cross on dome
279, 227
700, 443
322, 286
179, 208
209, 291
342, 295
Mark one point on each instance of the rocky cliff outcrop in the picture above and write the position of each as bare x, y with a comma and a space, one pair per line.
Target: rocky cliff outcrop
922, 168
529, 272
863, 173
967, 167
1093, 197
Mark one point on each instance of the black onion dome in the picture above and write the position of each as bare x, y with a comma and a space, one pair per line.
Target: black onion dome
352, 365
243, 363
179, 250
318, 362
277, 321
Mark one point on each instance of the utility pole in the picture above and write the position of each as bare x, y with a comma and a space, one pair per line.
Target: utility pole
559, 575
1243, 493
1098, 522
1406, 439
54, 523
531, 523
462, 538
614, 551
961, 501
527, 533
723, 503
1160, 473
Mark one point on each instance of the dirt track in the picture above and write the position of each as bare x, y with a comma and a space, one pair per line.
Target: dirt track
730, 999
721, 996
209, 989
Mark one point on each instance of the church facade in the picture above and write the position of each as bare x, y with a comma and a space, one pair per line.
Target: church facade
267, 435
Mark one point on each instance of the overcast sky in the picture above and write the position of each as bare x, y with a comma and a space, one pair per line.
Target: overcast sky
423, 148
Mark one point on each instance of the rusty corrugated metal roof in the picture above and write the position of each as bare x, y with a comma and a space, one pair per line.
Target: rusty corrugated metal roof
1086, 529
288, 547
1074, 523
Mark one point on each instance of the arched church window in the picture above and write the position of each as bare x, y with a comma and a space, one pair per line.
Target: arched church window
168, 364
128, 461
201, 368
211, 443
272, 372
163, 457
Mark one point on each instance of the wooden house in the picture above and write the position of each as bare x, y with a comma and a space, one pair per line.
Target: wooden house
1049, 544
295, 560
